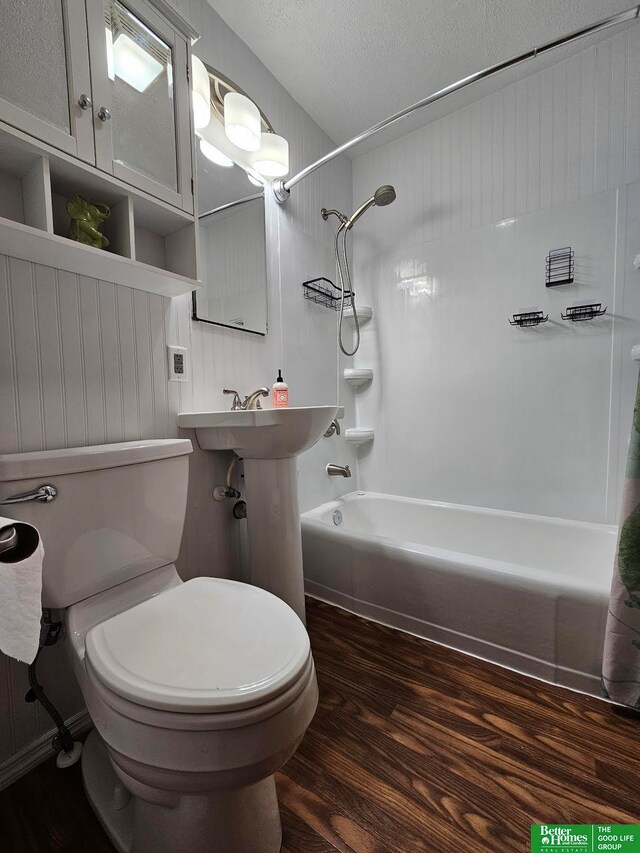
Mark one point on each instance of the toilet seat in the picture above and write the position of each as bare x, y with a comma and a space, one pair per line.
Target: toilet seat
207, 646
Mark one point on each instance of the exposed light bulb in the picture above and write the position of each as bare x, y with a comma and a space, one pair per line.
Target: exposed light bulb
242, 122
214, 154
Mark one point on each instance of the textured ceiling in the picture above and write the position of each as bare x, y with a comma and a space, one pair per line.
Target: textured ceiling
352, 63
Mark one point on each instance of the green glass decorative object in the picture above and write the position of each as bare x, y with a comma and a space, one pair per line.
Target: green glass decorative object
86, 220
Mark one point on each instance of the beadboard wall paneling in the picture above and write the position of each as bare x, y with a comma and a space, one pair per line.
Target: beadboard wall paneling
84, 361
525, 420
552, 137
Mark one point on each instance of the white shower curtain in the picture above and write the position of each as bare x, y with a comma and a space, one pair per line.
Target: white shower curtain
621, 661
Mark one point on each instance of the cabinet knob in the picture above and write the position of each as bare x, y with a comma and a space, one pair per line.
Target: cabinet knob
84, 102
104, 114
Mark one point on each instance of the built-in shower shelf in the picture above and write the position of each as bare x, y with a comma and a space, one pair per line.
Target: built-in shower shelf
357, 435
358, 376
365, 313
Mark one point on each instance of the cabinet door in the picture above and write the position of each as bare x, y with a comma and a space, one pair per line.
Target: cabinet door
44, 73
141, 99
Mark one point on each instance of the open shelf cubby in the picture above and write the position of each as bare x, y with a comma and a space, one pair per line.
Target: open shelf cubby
152, 246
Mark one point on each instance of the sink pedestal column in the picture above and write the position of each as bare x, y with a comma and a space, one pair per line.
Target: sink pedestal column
275, 537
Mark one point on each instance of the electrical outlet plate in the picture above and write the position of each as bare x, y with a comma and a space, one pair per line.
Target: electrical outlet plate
178, 366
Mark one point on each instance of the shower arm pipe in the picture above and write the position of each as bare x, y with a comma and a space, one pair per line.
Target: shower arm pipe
281, 189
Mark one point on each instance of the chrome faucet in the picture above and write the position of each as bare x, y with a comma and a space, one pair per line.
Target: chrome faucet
334, 470
253, 400
236, 403
249, 403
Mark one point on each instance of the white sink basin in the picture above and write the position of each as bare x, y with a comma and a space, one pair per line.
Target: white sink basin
260, 433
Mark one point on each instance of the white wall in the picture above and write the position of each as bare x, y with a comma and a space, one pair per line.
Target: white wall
83, 362
465, 407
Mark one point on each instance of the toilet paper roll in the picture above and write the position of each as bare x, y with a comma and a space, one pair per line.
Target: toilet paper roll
20, 589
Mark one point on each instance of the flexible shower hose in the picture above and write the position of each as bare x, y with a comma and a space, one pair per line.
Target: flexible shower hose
345, 286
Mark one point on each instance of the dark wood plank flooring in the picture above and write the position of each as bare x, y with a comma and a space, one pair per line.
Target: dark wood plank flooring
414, 748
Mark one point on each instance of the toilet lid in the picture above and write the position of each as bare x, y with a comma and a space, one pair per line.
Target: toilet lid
207, 645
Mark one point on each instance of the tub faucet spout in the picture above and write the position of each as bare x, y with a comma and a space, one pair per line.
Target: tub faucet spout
334, 470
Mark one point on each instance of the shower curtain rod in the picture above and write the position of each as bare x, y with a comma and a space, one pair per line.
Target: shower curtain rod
281, 189
231, 204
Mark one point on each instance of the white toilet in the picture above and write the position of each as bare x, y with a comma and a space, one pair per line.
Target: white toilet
199, 691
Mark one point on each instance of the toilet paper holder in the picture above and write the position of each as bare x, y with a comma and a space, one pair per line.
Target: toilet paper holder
18, 541
8, 539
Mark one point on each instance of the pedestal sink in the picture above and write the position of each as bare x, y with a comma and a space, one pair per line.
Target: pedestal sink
268, 440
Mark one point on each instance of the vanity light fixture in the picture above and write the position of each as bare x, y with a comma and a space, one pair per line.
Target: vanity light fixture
272, 159
201, 96
215, 155
242, 122
133, 64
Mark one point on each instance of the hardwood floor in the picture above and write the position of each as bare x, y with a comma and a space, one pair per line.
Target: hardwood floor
414, 748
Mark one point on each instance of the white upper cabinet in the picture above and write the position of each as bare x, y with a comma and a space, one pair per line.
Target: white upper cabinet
106, 82
44, 73
139, 73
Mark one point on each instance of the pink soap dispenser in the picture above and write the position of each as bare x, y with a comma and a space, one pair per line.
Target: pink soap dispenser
280, 393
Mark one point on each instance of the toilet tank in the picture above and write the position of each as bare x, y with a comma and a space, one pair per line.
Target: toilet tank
119, 511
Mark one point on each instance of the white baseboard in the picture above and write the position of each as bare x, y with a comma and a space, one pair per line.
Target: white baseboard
37, 751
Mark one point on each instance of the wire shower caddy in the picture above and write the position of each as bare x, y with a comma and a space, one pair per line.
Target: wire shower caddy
324, 292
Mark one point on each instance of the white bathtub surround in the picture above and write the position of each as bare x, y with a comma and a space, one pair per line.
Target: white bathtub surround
517, 419
522, 591
528, 420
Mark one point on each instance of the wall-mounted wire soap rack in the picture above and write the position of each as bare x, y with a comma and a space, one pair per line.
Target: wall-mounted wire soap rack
526, 319
559, 267
577, 313
323, 291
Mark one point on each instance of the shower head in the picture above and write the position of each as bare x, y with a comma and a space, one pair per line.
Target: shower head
382, 196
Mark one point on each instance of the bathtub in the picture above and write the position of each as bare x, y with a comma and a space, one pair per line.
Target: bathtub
523, 591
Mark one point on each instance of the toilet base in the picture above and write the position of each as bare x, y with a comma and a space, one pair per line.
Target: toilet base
244, 820
112, 804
